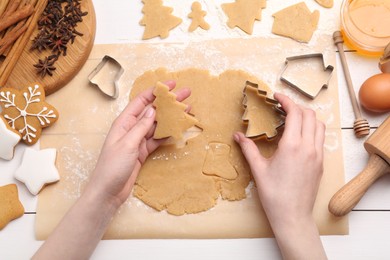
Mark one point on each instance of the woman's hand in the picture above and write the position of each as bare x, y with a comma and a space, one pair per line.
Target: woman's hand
288, 182
127, 145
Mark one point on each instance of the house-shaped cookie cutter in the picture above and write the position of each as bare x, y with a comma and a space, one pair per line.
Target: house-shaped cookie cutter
328, 69
119, 71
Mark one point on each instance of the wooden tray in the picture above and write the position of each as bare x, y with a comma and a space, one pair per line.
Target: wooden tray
67, 67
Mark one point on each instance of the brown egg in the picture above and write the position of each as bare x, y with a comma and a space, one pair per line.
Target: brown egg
374, 94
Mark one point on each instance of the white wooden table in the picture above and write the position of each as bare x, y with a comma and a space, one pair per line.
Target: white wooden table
117, 22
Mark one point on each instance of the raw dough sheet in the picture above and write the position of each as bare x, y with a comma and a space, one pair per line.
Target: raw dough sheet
86, 116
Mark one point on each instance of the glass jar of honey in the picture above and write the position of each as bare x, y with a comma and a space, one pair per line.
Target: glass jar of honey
365, 25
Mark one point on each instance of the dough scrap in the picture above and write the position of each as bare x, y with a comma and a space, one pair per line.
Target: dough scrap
172, 178
158, 20
296, 22
172, 120
260, 115
244, 13
217, 162
197, 15
325, 3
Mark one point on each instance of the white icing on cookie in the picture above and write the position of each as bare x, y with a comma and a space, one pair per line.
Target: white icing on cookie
37, 169
28, 132
8, 140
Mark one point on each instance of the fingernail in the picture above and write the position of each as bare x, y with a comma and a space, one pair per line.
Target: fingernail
149, 112
236, 137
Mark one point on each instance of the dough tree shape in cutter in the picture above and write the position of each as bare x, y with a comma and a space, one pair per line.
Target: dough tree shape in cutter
171, 116
158, 19
296, 22
316, 74
244, 13
262, 114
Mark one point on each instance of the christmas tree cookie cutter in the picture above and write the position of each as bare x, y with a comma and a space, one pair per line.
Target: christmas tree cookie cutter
306, 85
263, 115
106, 76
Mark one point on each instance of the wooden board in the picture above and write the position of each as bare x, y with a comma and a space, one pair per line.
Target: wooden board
80, 132
24, 73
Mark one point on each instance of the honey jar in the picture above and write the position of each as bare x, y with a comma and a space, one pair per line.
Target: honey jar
365, 25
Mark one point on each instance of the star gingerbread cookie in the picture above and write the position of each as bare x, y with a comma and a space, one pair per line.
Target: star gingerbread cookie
27, 112
10, 206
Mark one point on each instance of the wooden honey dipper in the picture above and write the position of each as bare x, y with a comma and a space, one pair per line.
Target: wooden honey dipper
360, 126
378, 146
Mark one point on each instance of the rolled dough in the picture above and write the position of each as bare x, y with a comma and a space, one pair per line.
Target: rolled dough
173, 178
80, 133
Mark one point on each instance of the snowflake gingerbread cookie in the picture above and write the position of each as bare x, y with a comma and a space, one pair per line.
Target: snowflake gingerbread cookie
27, 112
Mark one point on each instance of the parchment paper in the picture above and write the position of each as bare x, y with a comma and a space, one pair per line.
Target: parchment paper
86, 115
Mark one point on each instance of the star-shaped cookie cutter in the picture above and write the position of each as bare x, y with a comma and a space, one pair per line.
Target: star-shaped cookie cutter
119, 71
328, 69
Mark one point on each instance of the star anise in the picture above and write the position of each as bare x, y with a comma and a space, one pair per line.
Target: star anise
41, 41
46, 66
57, 26
45, 20
58, 45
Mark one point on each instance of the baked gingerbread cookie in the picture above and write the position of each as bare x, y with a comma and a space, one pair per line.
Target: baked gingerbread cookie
10, 206
9, 138
37, 169
27, 112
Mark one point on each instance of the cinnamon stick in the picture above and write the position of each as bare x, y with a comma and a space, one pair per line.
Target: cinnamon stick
22, 3
17, 49
11, 37
16, 16
11, 7
3, 6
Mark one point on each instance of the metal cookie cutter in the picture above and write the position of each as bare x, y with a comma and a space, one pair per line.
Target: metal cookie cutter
106, 76
308, 87
271, 105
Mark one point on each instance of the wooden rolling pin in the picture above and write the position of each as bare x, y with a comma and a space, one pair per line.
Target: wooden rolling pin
378, 146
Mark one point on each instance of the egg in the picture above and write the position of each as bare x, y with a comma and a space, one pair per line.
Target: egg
374, 94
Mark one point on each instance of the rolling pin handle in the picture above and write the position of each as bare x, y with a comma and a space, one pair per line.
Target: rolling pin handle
350, 194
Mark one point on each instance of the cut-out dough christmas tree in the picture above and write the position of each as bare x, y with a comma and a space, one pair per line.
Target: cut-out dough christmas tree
197, 15
158, 20
172, 119
260, 114
244, 13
